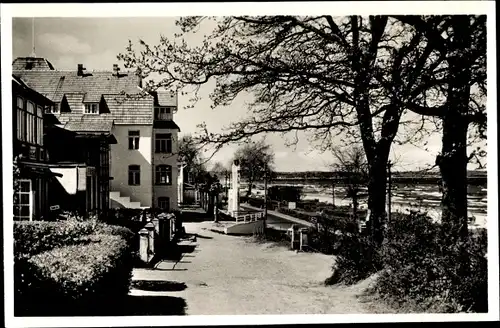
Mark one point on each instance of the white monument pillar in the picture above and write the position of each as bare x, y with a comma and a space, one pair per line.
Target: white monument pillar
180, 184
234, 199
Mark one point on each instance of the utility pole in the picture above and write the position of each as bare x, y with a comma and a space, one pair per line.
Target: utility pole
333, 191
389, 188
265, 197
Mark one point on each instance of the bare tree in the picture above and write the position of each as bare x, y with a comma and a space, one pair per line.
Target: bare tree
351, 165
460, 40
349, 76
190, 153
255, 159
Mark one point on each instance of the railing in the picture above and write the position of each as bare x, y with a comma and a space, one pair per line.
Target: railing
248, 216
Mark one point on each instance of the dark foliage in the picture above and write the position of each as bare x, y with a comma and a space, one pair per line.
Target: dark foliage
69, 265
420, 264
285, 193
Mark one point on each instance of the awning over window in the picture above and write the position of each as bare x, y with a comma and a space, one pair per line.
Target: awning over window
39, 169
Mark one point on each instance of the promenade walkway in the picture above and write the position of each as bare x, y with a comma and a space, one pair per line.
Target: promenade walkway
228, 275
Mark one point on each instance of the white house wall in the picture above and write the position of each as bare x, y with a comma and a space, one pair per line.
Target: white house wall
122, 157
169, 191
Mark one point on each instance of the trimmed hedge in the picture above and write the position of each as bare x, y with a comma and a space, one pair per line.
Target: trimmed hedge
34, 237
87, 265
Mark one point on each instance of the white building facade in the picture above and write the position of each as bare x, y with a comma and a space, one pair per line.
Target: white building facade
143, 162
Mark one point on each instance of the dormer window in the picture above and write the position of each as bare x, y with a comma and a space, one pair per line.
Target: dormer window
54, 109
92, 108
162, 113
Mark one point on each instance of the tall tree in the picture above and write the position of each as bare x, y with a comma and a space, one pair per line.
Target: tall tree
461, 111
255, 159
347, 76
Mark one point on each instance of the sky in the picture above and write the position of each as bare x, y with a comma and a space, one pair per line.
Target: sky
95, 43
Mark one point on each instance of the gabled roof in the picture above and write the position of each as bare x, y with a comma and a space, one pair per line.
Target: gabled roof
74, 100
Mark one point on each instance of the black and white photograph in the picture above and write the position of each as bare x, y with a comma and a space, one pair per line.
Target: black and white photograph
249, 163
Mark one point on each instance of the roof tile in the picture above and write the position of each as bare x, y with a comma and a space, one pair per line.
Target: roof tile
91, 88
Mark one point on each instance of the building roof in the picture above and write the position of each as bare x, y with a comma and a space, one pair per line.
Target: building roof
165, 98
86, 126
97, 87
31, 63
21, 86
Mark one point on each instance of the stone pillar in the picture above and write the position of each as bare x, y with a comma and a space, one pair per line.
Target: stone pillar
294, 236
151, 236
143, 245
156, 224
303, 238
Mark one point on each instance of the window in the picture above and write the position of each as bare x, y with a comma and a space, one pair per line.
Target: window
92, 108
163, 143
21, 119
134, 175
162, 113
164, 174
133, 140
23, 209
164, 203
30, 123
39, 125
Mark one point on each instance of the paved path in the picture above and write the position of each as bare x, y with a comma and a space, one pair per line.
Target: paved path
226, 275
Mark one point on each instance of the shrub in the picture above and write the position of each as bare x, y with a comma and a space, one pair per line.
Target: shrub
420, 265
57, 263
116, 230
357, 259
75, 275
31, 238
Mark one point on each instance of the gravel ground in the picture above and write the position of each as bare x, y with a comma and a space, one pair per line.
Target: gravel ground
230, 275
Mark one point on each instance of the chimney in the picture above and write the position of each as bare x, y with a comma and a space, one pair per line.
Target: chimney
116, 69
80, 70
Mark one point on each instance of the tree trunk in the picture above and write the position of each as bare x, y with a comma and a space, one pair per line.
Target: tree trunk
249, 191
453, 166
453, 158
376, 198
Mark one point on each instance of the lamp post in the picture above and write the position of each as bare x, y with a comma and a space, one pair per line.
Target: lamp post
265, 197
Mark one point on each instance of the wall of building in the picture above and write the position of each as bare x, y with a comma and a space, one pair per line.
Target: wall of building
122, 157
169, 191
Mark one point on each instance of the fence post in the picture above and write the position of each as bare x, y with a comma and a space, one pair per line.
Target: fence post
143, 244
155, 222
303, 238
151, 240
